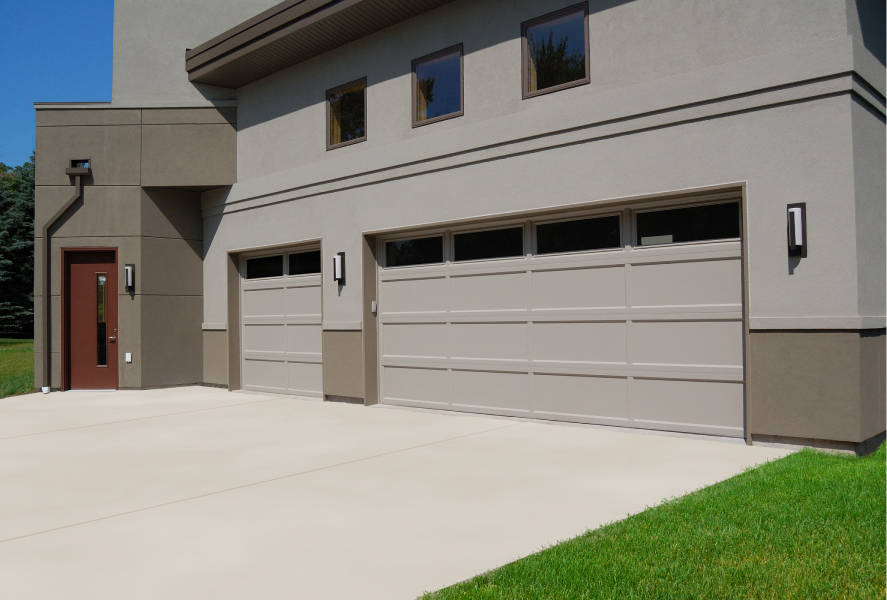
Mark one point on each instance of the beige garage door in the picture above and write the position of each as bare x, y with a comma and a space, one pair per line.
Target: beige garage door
281, 323
632, 318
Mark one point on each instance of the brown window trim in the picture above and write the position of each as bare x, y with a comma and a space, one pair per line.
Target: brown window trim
553, 15
427, 57
339, 88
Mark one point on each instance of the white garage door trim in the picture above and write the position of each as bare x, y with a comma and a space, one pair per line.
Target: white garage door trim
281, 320
489, 336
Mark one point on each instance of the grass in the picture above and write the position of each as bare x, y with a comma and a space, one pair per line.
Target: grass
16, 367
810, 525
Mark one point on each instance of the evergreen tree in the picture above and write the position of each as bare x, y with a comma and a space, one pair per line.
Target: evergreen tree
17, 250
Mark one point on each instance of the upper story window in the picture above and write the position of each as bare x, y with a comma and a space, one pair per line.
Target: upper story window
555, 50
437, 86
346, 114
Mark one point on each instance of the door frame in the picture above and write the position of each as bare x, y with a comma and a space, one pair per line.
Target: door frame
65, 384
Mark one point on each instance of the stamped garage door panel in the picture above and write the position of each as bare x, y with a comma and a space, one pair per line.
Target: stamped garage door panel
648, 337
281, 321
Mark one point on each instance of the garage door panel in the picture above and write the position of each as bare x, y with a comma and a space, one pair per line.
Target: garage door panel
305, 378
687, 342
482, 389
281, 337
687, 283
648, 337
709, 403
417, 385
303, 301
417, 339
602, 287
304, 338
494, 341
580, 342
264, 302
605, 397
414, 295
500, 291
264, 374
264, 338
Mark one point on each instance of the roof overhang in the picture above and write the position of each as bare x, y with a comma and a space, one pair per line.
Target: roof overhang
292, 32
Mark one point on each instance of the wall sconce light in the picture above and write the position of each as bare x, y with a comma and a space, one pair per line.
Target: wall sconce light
339, 268
129, 278
797, 230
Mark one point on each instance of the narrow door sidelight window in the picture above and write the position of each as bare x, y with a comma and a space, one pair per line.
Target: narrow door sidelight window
102, 319
497, 243
421, 251
437, 86
555, 51
582, 234
690, 224
346, 114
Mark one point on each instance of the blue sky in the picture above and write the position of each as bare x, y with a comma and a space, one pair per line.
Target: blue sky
50, 51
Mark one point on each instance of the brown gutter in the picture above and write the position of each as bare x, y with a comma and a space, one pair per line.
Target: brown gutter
78, 171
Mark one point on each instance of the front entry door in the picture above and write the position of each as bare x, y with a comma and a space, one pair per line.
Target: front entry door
91, 319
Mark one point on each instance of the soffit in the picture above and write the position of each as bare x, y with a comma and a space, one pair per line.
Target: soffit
290, 33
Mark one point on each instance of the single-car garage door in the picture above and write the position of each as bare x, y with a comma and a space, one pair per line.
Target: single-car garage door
630, 318
281, 315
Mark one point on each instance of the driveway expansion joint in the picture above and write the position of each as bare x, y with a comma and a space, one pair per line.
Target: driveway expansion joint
253, 484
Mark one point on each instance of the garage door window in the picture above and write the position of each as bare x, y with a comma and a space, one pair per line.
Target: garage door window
421, 251
305, 263
267, 266
578, 235
498, 243
692, 224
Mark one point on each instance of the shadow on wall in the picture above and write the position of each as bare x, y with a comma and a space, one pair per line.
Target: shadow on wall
176, 209
871, 14
488, 27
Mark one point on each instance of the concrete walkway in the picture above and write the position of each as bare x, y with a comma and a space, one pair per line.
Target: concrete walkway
201, 493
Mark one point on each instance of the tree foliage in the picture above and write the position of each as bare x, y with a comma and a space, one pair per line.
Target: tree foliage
17, 250
555, 64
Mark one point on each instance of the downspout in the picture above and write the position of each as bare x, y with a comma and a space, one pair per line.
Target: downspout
78, 170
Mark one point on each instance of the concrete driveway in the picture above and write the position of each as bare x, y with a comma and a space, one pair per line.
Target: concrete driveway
201, 493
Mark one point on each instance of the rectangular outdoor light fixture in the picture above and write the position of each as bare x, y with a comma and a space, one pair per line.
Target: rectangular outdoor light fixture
339, 268
129, 278
797, 230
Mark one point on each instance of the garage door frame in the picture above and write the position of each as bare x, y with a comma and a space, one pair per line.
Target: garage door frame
627, 209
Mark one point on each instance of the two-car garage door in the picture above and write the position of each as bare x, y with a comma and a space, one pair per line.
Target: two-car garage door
629, 318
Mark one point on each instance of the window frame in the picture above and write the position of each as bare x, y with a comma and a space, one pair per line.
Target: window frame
525, 93
521, 224
415, 63
677, 205
422, 236
579, 217
339, 88
284, 266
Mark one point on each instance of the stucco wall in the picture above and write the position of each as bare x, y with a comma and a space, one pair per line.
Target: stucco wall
282, 121
150, 39
159, 230
789, 153
684, 94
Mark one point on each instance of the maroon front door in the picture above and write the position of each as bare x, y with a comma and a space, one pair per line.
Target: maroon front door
91, 319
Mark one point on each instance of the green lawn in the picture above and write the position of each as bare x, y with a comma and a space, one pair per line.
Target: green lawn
16, 367
811, 525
